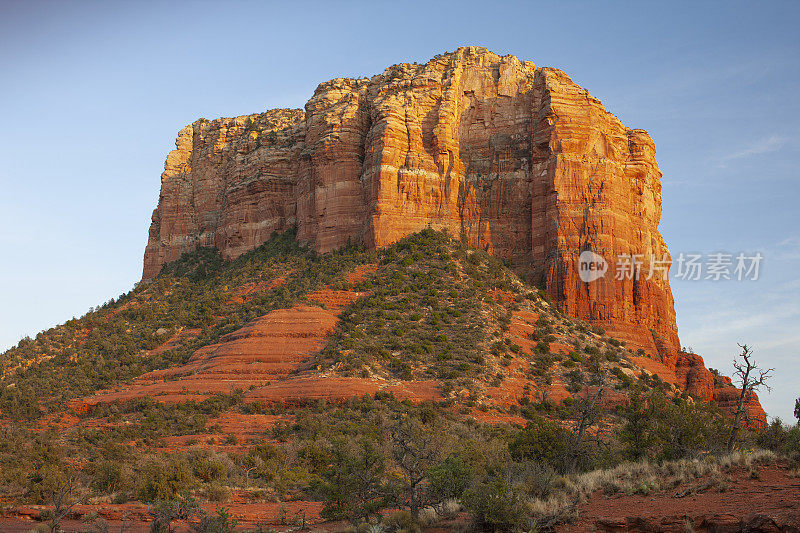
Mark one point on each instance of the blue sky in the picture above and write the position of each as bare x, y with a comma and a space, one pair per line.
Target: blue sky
93, 94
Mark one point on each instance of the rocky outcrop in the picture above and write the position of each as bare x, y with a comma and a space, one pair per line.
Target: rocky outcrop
727, 398
606, 197
271, 359
693, 377
268, 348
229, 183
511, 158
508, 157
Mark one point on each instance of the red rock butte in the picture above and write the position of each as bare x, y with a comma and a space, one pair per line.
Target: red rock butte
510, 158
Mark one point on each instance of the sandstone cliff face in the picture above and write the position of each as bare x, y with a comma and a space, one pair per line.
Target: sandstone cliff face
229, 183
511, 158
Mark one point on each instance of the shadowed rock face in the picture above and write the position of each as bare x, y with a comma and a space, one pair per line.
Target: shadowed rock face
514, 159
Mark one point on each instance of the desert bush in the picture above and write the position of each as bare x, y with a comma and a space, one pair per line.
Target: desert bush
450, 478
668, 429
779, 438
773, 437
206, 466
165, 512
428, 517
401, 521
496, 504
109, 476
221, 522
541, 441
217, 493
162, 478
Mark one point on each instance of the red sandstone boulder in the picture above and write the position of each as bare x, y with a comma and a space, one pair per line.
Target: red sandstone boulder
693, 376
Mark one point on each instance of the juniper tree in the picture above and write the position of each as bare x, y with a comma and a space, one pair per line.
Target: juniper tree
797, 410
416, 448
353, 485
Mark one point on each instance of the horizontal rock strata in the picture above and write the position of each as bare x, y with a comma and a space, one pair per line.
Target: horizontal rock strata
510, 158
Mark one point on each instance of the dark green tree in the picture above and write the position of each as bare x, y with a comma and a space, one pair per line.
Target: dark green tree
450, 478
543, 441
636, 434
353, 486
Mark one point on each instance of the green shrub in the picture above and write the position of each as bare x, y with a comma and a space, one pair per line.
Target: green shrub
542, 441
421, 311
218, 493
205, 466
163, 478
668, 429
780, 439
401, 521
221, 522
450, 478
496, 504
108, 477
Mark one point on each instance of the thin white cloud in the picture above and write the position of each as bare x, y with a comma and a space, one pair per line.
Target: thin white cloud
778, 342
788, 249
769, 315
766, 145
722, 327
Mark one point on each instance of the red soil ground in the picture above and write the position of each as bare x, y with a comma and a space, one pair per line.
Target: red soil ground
250, 290
769, 503
361, 272
270, 358
268, 348
283, 516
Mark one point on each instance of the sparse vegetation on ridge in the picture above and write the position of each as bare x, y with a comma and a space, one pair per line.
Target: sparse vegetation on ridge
108, 345
433, 310
424, 315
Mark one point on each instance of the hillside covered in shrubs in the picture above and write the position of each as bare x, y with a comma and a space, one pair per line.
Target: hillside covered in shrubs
463, 396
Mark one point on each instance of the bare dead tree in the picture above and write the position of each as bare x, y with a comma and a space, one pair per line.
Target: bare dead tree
60, 499
751, 377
